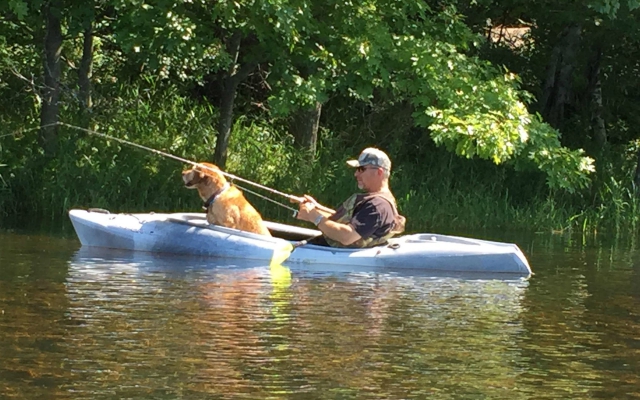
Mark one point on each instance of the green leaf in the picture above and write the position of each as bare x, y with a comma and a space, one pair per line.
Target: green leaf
19, 7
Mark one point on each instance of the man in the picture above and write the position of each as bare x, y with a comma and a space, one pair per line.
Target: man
365, 219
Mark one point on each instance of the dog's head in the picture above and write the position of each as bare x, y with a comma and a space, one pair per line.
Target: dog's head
203, 175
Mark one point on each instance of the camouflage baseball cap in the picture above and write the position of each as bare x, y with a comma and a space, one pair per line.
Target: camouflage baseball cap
372, 156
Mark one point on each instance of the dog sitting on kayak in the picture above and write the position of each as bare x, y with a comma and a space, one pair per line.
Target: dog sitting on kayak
225, 203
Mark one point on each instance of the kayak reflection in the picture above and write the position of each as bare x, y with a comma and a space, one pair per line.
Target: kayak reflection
220, 327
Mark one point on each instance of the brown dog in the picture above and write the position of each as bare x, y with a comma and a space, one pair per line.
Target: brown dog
225, 204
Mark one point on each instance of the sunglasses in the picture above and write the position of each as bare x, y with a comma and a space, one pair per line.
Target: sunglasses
362, 169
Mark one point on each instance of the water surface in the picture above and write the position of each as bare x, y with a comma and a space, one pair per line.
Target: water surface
84, 323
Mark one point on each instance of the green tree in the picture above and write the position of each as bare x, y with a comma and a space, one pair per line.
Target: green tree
422, 55
578, 59
311, 52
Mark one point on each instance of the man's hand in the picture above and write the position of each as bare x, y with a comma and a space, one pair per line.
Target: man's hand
306, 199
309, 199
308, 211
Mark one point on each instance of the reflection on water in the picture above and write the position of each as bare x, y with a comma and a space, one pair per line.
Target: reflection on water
94, 324
237, 329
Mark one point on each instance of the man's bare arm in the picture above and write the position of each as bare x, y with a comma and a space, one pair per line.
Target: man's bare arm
342, 233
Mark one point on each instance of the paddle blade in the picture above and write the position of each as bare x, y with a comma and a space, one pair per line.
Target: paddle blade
281, 254
280, 294
280, 279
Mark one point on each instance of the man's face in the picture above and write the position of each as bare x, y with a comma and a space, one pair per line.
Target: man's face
366, 175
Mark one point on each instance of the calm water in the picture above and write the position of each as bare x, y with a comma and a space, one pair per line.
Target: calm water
94, 324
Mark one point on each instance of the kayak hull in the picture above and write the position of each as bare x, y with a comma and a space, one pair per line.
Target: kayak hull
189, 233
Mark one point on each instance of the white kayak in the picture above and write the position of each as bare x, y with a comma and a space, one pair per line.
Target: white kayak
190, 233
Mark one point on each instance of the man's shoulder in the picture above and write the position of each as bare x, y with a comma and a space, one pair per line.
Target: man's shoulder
377, 202
381, 198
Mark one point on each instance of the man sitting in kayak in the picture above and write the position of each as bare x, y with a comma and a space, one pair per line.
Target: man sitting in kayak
365, 219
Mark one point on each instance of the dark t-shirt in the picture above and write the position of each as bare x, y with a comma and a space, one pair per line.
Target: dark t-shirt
373, 218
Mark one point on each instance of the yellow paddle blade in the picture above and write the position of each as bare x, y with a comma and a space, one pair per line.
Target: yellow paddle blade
280, 294
280, 275
280, 278
281, 254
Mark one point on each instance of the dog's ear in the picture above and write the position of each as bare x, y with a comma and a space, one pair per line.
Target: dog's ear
198, 171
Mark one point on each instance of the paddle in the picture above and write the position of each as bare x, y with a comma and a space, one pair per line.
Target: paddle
280, 275
282, 253
280, 295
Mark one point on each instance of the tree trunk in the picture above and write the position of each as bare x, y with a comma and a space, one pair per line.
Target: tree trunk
557, 85
229, 82
636, 175
225, 123
85, 71
595, 91
304, 128
52, 68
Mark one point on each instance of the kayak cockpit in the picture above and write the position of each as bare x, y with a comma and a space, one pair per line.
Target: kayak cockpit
277, 230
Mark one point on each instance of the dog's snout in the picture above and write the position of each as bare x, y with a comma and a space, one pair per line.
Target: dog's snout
189, 178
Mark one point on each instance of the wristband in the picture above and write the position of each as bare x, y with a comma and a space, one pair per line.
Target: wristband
318, 220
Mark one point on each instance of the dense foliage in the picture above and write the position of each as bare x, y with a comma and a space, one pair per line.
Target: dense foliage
485, 107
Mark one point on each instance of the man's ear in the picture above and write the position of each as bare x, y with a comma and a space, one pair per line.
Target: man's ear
201, 174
